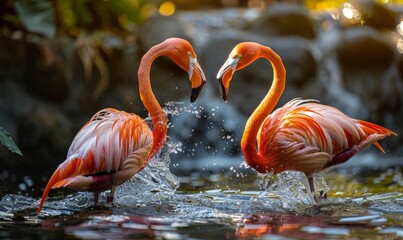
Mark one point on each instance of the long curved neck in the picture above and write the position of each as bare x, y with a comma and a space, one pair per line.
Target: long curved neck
248, 143
147, 96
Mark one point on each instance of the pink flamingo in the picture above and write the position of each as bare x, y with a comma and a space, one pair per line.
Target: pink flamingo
303, 135
114, 145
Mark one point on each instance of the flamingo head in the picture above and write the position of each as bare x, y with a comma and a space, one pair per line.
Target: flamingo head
241, 56
182, 53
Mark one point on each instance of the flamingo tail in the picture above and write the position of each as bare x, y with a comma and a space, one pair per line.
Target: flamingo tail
52, 182
379, 132
66, 171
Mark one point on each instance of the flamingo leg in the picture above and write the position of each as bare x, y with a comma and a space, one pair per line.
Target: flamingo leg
109, 199
96, 198
322, 194
311, 184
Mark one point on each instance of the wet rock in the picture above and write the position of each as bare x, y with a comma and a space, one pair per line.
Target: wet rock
158, 28
44, 73
12, 58
124, 63
284, 20
364, 57
124, 97
46, 135
366, 77
41, 130
367, 13
364, 48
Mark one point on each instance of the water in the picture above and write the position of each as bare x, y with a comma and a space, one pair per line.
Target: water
211, 203
146, 210
223, 199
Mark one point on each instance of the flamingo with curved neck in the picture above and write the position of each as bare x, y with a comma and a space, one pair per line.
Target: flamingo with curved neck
303, 135
114, 145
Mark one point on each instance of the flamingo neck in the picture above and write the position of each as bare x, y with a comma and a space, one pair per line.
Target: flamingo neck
158, 118
248, 143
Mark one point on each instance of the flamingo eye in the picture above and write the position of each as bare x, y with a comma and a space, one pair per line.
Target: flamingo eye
190, 54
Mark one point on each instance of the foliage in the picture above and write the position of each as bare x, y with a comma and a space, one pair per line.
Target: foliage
37, 17
50, 18
8, 142
82, 20
92, 23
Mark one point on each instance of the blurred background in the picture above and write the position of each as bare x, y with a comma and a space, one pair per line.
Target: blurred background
63, 60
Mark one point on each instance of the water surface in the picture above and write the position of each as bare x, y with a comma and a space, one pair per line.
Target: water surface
218, 206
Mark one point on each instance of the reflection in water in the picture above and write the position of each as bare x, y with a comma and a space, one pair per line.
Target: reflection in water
143, 211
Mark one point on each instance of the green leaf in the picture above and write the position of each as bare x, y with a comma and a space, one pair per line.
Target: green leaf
8, 142
37, 16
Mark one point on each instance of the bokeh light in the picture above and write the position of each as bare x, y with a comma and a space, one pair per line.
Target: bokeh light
350, 12
167, 8
147, 10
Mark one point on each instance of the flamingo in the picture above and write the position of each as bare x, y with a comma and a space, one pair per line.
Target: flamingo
303, 135
114, 145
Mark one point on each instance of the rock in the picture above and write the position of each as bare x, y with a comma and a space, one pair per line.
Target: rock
12, 59
41, 130
284, 20
158, 28
366, 61
46, 135
364, 48
44, 73
367, 13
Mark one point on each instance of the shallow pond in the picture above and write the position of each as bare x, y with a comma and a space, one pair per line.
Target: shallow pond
236, 204
215, 198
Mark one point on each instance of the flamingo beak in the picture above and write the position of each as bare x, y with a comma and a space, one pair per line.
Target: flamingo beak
223, 90
197, 80
224, 76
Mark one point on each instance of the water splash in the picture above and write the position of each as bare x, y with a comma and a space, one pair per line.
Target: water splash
208, 130
154, 182
17, 205
292, 188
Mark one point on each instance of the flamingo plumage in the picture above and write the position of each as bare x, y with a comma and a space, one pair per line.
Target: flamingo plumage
303, 135
114, 145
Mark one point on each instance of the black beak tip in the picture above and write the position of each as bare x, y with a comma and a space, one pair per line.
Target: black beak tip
196, 92
223, 92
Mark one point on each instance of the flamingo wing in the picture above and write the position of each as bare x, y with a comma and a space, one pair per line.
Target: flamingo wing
307, 136
109, 149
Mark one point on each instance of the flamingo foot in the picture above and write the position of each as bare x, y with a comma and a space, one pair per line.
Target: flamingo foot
109, 199
323, 194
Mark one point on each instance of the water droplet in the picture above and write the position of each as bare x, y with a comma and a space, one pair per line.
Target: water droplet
22, 186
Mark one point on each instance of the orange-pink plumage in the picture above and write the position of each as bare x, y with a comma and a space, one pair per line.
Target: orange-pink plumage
303, 135
115, 145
